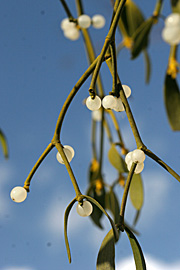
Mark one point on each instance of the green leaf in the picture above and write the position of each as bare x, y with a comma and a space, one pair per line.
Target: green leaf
137, 251
112, 204
116, 160
4, 144
97, 213
131, 17
140, 37
175, 5
116, 234
106, 255
147, 65
136, 191
138, 212
172, 102
68, 209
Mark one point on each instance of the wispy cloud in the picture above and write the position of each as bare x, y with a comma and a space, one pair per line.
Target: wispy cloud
151, 264
18, 268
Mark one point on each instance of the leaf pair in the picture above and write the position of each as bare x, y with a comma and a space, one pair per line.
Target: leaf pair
66, 215
106, 255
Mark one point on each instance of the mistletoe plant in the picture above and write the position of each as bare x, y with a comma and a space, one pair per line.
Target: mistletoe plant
100, 197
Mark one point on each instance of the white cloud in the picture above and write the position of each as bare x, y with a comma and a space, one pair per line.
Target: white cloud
151, 264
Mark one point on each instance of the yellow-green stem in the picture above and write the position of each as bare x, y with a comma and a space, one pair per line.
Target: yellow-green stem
125, 195
70, 172
37, 164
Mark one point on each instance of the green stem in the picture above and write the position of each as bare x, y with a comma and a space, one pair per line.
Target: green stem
160, 162
70, 172
69, 99
37, 164
108, 40
125, 195
114, 68
108, 131
158, 8
101, 144
68, 12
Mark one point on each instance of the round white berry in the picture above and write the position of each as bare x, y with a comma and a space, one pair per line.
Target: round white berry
84, 21
109, 102
18, 194
68, 151
173, 20
127, 90
66, 24
93, 104
138, 156
119, 105
128, 157
72, 33
97, 115
138, 169
98, 21
171, 35
85, 209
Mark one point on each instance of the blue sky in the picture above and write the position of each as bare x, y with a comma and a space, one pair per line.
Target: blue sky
38, 68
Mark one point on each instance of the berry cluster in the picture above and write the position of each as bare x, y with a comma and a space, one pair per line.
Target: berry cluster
109, 102
171, 31
71, 29
68, 151
137, 156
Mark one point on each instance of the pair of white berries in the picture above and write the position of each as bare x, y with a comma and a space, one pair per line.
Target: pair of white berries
108, 102
71, 30
137, 156
19, 194
68, 151
171, 31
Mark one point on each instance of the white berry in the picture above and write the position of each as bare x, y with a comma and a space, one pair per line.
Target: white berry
138, 156
66, 24
171, 35
119, 105
84, 21
128, 157
85, 209
18, 194
138, 169
127, 90
109, 102
93, 104
173, 20
98, 21
72, 33
97, 115
68, 151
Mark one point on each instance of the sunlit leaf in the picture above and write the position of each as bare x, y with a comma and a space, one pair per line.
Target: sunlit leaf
68, 209
136, 191
137, 251
141, 36
4, 144
112, 204
116, 160
106, 255
147, 65
175, 5
172, 102
131, 17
